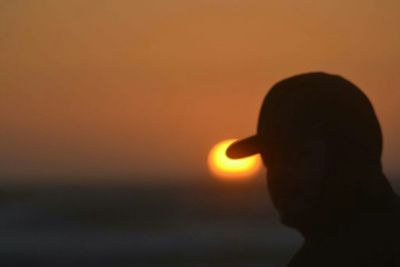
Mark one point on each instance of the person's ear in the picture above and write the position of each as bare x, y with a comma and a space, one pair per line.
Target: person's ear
319, 152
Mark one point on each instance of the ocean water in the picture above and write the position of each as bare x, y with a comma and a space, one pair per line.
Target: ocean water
181, 225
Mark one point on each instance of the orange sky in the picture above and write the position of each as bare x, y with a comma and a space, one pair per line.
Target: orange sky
147, 87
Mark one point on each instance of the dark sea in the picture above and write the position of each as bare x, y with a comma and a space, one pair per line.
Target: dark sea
212, 224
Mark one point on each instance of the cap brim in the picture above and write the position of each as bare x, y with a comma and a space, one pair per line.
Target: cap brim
243, 148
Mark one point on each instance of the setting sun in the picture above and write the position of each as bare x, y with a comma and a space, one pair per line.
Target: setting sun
231, 169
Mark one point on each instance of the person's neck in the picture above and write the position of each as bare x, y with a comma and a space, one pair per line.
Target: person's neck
372, 197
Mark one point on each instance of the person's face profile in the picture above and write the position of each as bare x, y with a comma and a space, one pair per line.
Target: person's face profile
295, 171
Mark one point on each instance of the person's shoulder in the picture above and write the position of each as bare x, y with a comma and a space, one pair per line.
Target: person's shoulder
382, 232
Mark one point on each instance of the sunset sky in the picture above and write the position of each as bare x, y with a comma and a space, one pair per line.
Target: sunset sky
144, 89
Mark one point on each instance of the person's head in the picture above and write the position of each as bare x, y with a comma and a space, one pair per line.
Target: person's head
321, 143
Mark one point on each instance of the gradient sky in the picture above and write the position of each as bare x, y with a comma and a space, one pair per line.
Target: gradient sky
145, 88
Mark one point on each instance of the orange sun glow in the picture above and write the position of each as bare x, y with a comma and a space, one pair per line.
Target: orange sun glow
226, 168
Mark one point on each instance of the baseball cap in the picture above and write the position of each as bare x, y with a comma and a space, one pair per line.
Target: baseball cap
243, 148
314, 99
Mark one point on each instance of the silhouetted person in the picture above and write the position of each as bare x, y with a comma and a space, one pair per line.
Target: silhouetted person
321, 142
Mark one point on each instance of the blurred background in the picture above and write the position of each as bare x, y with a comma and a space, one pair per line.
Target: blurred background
108, 110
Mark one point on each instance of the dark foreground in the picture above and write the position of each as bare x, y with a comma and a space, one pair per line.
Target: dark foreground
208, 225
